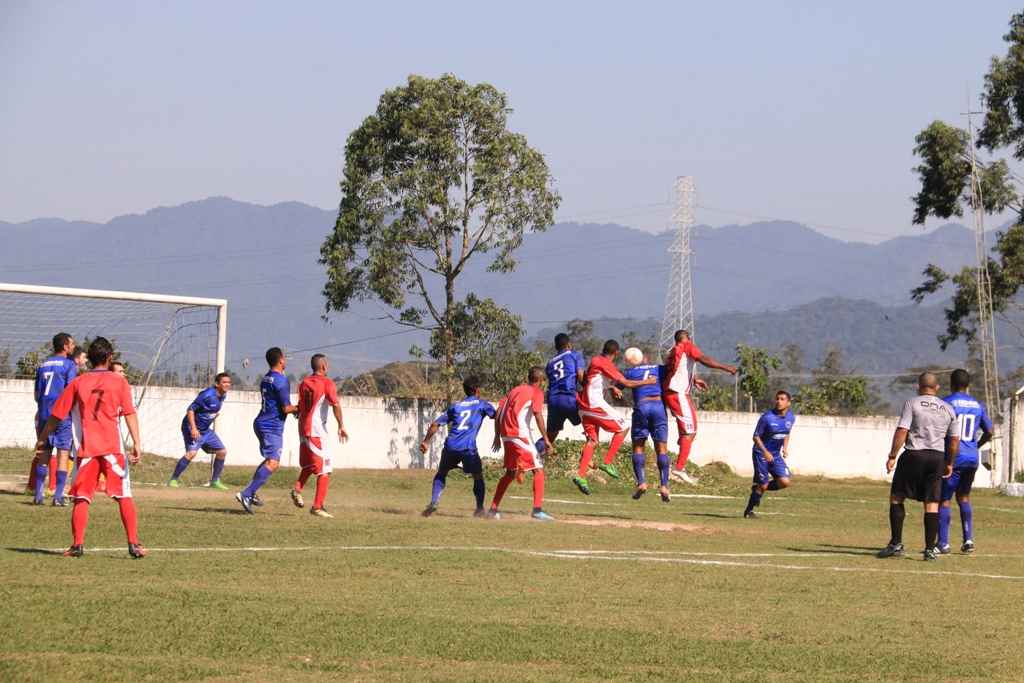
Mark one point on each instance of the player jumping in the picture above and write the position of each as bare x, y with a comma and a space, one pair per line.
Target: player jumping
649, 419
316, 393
269, 425
464, 420
96, 399
678, 381
564, 371
771, 448
197, 431
52, 377
596, 414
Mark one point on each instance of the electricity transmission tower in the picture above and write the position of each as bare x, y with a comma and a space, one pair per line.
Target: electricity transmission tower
679, 298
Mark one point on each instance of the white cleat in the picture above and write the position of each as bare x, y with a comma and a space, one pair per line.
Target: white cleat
320, 512
681, 475
297, 499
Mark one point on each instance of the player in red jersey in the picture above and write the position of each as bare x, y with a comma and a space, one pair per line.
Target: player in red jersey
316, 393
94, 400
596, 414
515, 433
679, 380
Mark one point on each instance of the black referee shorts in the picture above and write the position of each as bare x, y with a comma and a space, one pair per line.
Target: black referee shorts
919, 476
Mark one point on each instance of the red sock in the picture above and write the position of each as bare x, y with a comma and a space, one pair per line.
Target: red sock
32, 473
79, 520
613, 447
322, 482
684, 453
588, 454
538, 489
499, 492
128, 518
52, 474
303, 477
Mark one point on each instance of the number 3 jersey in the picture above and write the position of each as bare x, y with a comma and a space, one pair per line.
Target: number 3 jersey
971, 421
561, 371
464, 420
94, 401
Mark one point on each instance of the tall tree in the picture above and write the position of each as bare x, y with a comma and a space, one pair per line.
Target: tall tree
432, 179
755, 367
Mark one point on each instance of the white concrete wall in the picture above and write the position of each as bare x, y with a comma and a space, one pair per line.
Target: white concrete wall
384, 433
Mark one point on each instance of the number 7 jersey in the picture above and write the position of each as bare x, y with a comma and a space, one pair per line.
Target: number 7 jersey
94, 401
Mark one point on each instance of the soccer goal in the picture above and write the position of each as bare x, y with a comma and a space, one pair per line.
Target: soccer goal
171, 346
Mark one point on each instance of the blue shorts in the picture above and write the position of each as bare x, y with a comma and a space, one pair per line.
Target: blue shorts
61, 438
208, 442
470, 460
649, 419
562, 407
764, 472
271, 444
960, 482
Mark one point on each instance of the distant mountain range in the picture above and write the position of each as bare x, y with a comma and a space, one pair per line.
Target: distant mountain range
765, 283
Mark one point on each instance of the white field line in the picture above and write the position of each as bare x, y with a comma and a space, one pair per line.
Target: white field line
632, 556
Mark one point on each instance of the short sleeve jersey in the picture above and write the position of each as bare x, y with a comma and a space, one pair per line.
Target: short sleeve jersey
971, 422
561, 371
275, 390
593, 382
517, 410
317, 394
464, 420
52, 377
929, 420
205, 407
679, 367
94, 401
642, 372
773, 429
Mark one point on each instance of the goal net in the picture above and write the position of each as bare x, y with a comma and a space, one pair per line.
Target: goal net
171, 347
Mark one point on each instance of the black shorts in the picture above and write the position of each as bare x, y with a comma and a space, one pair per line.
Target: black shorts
919, 476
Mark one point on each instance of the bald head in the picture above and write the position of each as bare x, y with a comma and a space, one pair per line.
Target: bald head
928, 383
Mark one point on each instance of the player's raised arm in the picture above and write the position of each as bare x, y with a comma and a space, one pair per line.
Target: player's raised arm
709, 362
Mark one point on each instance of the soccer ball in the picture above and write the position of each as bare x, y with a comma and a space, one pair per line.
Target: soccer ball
634, 356
245, 362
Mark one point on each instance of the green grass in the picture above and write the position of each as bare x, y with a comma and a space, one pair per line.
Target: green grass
458, 598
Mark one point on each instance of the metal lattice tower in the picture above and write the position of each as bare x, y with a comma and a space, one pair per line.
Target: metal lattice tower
679, 298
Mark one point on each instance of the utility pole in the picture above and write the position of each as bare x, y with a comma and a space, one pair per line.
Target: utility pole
679, 313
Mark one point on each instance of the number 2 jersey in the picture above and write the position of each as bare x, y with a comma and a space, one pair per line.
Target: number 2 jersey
94, 401
464, 420
52, 377
971, 421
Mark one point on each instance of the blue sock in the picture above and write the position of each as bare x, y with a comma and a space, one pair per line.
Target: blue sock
62, 478
663, 468
440, 479
479, 491
41, 473
967, 520
218, 469
183, 463
639, 460
755, 498
943, 525
259, 478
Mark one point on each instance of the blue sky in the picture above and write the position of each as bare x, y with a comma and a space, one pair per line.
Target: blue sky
797, 110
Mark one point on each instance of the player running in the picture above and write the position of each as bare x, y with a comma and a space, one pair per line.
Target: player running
269, 425
316, 393
649, 419
564, 371
52, 377
464, 420
515, 433
596, 414
771, 448
197, 431
677, 383
95, 399
971, 419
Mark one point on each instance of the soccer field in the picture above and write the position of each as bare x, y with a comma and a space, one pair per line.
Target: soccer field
615, 589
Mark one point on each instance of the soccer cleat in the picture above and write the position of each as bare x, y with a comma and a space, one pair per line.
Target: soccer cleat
246, 502
219, 485
681, 475
297, 499
666, 495
173, 483
493, 514
136, 551
320, 512
480, 513
542, 516
749, 514
640, 491
943, 549
891, 550
967, 547
59, 502
609, 470
429, 510
257, 501
582, 485
38, 501
930, 555
74, 551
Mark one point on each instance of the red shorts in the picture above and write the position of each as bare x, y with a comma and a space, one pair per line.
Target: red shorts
520, 455
88, 472
312, 456
600, 417
680, 406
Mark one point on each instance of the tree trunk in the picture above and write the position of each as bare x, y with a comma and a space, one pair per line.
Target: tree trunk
449, 339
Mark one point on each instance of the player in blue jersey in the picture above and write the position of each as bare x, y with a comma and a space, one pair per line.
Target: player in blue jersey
649, 419
197, 431
269, 425
52, 376
564, 371
464, 420
771, 448
975, 429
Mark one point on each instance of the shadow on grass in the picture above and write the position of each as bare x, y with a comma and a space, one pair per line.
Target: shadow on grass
223, 511
36, 551
828, 548
718, 515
